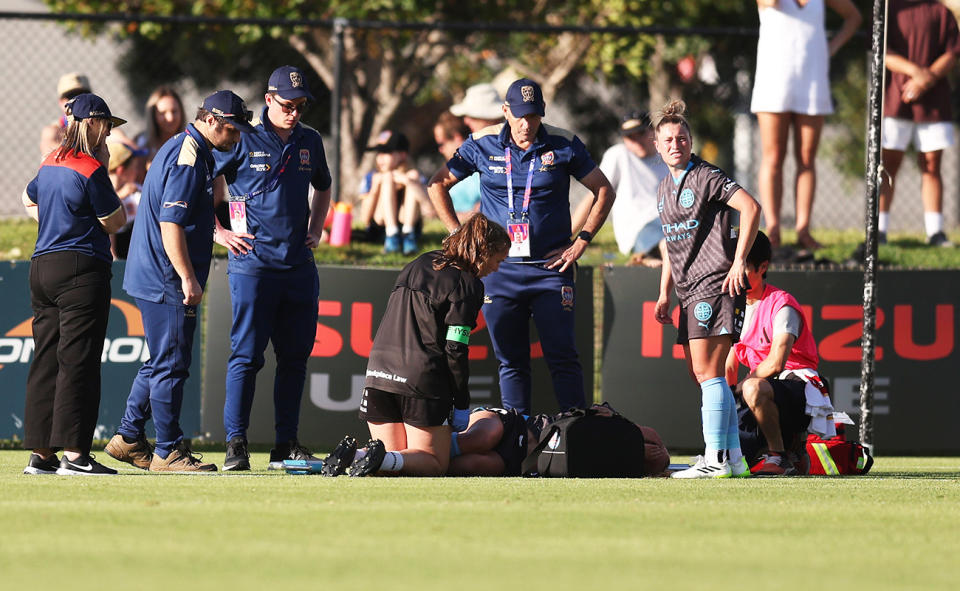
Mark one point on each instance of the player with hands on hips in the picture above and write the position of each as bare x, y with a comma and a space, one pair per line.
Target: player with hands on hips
706, 264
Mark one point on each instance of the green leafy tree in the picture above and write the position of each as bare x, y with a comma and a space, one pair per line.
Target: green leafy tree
387, 71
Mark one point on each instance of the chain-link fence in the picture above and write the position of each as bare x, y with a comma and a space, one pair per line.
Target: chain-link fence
125, 69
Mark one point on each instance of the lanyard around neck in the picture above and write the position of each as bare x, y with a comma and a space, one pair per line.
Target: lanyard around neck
272, 183
526, 192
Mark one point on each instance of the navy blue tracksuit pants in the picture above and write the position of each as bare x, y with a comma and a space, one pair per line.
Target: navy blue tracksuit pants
515, 293
281, 308
158, 388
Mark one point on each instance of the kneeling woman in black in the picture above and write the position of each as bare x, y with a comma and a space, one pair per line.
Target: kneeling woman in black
416, 382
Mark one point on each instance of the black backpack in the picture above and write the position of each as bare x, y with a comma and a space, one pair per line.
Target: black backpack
581, 443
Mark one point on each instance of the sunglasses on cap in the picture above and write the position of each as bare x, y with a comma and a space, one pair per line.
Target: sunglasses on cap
229, 117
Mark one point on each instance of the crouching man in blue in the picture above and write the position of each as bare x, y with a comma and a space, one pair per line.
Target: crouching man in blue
274, 287
166, 272
525, 171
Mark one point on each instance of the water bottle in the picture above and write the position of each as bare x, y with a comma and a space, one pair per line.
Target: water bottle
340, 231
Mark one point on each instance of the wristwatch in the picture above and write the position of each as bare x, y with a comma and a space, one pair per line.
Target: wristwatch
585, 236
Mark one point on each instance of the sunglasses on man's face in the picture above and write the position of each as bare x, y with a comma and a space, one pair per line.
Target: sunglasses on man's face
291, 107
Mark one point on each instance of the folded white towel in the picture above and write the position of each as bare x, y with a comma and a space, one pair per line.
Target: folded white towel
819, 408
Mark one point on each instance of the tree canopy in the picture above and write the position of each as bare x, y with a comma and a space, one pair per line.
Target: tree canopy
387, 70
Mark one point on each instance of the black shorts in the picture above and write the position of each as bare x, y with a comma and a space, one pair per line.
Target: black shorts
712, 316
791, 401
512, 447
378, 406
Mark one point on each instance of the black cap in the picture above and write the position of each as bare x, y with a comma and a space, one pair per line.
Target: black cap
391, 141
289, 83
524, 97
634, 122
229, 106
90, 106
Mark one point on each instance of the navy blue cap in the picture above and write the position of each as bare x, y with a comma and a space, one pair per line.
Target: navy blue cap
90, 106
524, 97
231, 108
289, 83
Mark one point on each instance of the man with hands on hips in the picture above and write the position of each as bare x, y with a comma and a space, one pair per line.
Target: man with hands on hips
274, 287
525, 168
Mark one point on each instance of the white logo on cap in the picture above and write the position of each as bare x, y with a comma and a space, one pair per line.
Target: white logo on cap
527, 93
296, 80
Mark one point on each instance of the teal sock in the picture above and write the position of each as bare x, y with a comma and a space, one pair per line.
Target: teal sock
454, 446
733, 424
712, 412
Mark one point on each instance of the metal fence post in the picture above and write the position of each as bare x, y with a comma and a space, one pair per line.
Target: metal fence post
336, 106
874, 170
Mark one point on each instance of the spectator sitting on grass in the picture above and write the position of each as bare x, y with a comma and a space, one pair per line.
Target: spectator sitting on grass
635, 169
395, 195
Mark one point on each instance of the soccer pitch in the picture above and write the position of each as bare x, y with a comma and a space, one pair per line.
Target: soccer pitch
896, 528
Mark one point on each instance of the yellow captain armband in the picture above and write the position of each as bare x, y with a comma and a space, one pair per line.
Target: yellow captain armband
460, 334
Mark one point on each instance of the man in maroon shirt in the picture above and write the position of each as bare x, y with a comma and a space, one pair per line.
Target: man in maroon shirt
922, 46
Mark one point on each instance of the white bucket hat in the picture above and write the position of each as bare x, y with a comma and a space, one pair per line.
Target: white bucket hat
482, 101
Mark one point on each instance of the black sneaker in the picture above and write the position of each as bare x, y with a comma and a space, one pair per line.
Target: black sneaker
371, 461
38, 465
238, 458
83, 466
939, 239
291, 450
337, 462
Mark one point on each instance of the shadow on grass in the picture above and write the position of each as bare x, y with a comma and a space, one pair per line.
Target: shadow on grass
914, 475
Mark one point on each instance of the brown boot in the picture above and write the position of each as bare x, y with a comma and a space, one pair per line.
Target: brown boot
139, 453
181, 459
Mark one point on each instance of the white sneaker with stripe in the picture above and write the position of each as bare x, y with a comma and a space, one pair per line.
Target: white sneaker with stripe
703, 469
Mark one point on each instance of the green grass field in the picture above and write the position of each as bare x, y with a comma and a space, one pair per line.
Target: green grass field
893, 529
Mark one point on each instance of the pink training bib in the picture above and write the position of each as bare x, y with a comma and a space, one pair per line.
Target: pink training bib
754, 344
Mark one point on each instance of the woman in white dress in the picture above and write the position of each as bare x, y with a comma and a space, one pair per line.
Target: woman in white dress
792, 89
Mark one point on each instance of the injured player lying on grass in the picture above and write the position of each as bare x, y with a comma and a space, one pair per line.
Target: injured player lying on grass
495, 443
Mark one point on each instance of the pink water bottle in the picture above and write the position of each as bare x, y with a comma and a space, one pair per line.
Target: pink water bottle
340, 231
